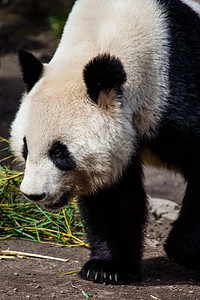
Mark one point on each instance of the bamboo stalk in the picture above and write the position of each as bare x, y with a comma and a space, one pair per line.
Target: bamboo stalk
20, 219
18, 253
69, 273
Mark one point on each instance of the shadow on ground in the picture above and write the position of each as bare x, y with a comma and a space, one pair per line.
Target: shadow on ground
161, 271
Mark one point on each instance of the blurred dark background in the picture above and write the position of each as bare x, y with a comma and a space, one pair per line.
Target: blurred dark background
33, 25
36, 25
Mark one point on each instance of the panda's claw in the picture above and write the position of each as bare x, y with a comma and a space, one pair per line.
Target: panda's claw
116, 277
104, 275
96, 275
108, 272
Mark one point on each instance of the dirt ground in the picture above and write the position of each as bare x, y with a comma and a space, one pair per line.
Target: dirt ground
33, 278
41, 279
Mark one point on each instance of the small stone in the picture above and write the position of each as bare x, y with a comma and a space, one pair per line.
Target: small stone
38, 286
163, 208
152, 242
16, 274
191, 292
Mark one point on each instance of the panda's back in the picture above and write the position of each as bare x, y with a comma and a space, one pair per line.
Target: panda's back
119, 27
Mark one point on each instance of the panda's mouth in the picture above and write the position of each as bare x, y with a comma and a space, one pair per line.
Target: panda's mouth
60, 202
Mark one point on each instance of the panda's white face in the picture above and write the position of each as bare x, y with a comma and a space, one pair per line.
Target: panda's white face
69, 144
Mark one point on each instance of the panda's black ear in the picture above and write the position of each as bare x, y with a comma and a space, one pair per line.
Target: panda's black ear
104, 76
31, 68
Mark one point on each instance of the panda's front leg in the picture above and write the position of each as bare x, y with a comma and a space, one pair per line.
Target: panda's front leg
114, 221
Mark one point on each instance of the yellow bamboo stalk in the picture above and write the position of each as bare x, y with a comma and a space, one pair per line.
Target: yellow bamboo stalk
69, 273
5, 158
18, 253
11, 177
63, 211
16, 222
4, 140
5, 237
49, 231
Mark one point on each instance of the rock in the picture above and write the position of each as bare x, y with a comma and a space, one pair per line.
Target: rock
163, 208
151, 242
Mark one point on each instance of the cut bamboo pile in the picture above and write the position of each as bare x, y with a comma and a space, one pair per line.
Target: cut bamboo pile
24, 220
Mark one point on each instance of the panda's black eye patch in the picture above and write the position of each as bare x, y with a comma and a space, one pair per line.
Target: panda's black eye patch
61, 157
25, 149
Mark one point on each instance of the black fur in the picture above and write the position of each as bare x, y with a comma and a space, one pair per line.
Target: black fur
61, 157
31, 68
178, 140
104, 73
25, 149
114, 221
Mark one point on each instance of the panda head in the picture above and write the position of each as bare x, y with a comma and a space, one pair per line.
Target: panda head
71, 132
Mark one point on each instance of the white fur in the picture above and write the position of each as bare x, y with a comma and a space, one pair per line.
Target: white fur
193, 4
18, 131
134, 31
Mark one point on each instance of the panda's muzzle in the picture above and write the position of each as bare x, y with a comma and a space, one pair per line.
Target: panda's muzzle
60, 202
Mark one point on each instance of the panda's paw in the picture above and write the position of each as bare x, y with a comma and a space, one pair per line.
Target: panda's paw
183, 245
188, 257
109, 272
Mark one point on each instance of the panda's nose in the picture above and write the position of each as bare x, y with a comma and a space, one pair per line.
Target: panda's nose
35, 197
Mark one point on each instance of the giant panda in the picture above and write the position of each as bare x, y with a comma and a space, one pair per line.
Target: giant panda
121, 91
